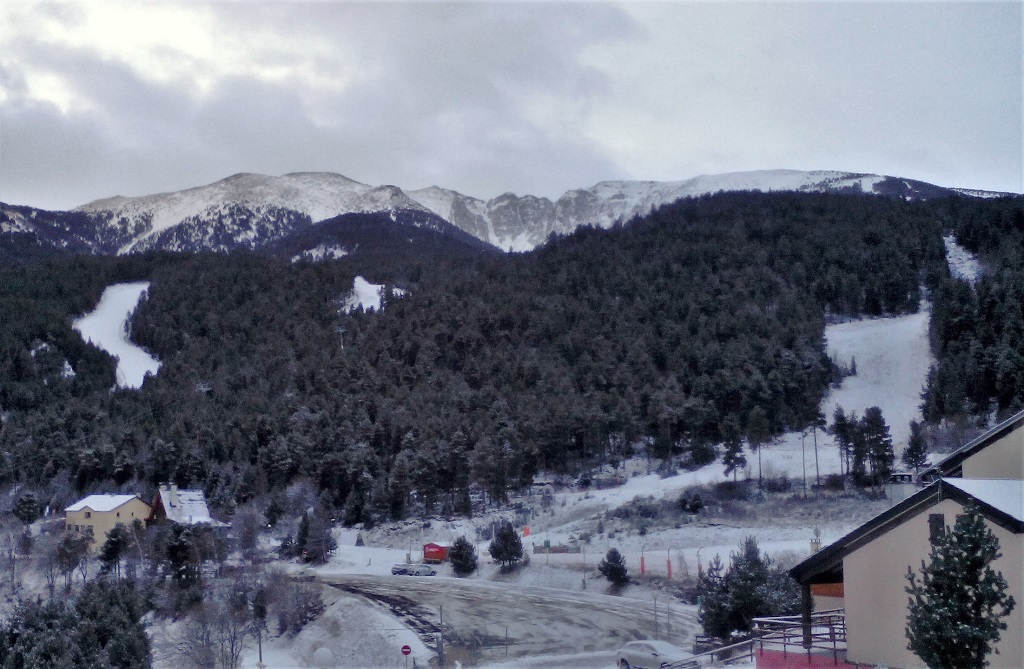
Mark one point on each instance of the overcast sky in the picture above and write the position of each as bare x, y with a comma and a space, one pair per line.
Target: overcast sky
105, 98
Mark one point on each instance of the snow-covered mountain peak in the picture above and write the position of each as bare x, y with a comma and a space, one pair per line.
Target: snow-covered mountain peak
250, 208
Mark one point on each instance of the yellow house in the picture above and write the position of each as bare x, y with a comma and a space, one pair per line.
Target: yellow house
865, 572
96, 515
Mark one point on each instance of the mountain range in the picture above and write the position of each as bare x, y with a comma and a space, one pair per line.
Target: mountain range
249, 211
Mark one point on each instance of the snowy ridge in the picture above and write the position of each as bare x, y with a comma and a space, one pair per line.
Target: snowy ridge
987, 194
267, 205
520, 223
14, 222
316, 194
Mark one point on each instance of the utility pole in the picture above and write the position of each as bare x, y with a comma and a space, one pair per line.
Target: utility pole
440, 643
803, 458
584, 548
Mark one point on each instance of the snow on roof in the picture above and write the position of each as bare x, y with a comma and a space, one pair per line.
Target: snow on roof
185, 507
101, 502
1006, 495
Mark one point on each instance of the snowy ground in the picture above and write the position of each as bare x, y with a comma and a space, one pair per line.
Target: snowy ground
892, 361
106, 327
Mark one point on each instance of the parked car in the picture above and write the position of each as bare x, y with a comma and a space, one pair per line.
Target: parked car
414, 570
654, 655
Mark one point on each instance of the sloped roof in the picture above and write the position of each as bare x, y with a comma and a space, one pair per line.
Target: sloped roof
1005, 495
189, 509
952, 462
101, 503
998, 500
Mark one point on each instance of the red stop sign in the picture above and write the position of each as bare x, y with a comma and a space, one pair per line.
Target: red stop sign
406, 650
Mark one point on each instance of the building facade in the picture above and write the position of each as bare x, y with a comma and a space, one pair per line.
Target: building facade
96, 515
868, 568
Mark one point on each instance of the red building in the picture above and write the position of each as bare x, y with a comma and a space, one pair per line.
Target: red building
433, 552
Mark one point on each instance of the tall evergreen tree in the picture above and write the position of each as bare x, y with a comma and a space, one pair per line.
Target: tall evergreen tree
733, 458
758, 433
956, 609
506, 548
877, 445
751, 587
112, 550
841, 432
915, 455
613, 567
26, 509
463, 557
713, 601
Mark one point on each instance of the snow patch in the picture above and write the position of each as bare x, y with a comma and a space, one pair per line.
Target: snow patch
367, 295
107, 327
962, 263
322, 252
893, 358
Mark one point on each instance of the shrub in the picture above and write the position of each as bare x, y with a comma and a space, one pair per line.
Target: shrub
690, 503
777, 484
732, 490
834, 482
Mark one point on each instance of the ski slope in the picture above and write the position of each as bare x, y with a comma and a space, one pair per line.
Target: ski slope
107, 327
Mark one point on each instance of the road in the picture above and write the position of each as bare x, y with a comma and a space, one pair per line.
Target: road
538, 621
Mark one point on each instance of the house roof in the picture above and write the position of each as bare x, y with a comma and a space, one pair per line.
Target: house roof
188, 509
952, 462
1000, 501
1005, 495
100, 503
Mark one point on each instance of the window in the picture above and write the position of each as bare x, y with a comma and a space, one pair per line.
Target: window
118, 514
88, 514
936, 527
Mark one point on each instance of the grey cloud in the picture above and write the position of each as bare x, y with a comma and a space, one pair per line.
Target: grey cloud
447, 93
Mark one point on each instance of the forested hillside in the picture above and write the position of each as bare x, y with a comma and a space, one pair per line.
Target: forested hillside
978, 331
677, 327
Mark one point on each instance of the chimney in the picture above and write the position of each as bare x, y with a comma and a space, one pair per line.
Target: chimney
174, 493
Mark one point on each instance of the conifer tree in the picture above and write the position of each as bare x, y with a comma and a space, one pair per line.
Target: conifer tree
112, 550
955, 610
613, 567
506, 548
915, 455
713, 601
26, 509
841, 430
750, 587
758, 432
877, 445
463, 557
733, 458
